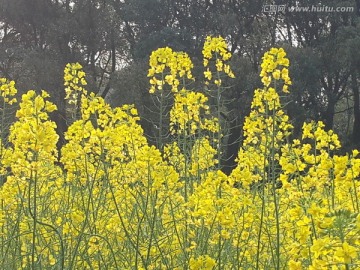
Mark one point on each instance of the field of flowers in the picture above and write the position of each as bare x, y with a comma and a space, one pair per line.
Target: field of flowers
113, 201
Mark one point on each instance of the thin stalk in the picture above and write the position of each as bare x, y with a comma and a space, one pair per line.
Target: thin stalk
218, 149
273, 180
34, 216
260, 232
161, 120
2, 180
262, 191
356, 197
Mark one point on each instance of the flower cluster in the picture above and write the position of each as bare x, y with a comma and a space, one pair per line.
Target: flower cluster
328, 140
202, 262
188, 113
33, 136
31, 157
175, 157
265, 129
75, 81
215, 48
274, 67
168, 67
8, 91
202, 156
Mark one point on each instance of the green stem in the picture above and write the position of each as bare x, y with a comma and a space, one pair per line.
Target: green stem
260, 232
273, 180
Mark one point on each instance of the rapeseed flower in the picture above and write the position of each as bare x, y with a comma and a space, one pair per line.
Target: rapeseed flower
168, 67
117, 202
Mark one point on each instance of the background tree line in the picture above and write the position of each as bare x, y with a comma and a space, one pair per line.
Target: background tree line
113, 39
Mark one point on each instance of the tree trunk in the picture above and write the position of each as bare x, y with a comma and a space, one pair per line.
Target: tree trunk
356, 127
328, 115
59, 116
228, 162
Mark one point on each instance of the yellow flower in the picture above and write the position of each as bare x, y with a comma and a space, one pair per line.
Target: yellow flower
216, 48
204, 262
295, 265
274, 66
208, 74
346, 253
285, 89
74, 80
219, 65
170, 66
202, 156
276, 74
188, 112
7, 89
321, 247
